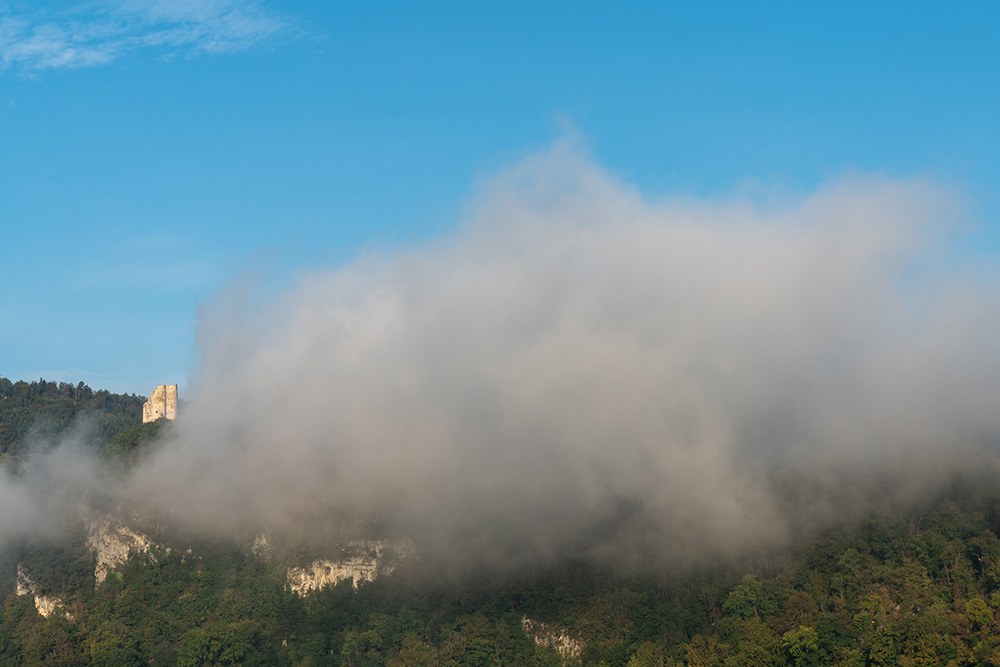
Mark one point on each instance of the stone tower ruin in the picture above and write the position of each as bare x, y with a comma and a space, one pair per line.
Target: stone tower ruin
162, 403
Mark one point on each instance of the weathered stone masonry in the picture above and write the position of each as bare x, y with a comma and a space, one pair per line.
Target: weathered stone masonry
162, 403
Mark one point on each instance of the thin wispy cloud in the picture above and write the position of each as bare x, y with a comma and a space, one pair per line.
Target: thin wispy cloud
89, 34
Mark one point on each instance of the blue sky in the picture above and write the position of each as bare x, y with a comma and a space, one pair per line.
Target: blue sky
153, 150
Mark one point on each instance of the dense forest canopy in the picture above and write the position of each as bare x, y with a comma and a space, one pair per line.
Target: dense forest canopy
46, 409
902, 586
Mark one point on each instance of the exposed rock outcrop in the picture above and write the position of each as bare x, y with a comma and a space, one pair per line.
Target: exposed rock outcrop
46, 605
113, 543
362, 560
162, 403
262, 546
568, 647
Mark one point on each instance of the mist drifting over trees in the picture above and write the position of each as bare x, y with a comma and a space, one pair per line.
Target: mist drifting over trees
580, 370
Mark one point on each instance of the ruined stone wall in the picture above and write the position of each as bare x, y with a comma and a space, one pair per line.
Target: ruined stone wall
162, 403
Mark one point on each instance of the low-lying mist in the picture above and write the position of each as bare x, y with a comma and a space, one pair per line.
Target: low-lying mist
579, 371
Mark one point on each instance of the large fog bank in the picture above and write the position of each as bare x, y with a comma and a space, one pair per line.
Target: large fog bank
578, 370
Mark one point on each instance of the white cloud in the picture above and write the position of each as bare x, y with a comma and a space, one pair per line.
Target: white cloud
89, 34
580, 370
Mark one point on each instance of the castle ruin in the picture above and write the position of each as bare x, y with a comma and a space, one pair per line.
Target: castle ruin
162, 403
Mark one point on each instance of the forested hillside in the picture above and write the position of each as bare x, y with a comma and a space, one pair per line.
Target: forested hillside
45, 410
919, 586
914, 589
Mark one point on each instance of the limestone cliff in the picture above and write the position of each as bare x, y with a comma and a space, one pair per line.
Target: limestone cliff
162, 403
112, 543
361, 560
45, 604
568, 647
262, 546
